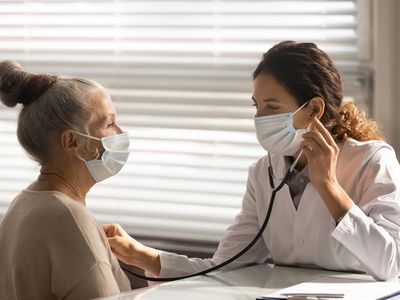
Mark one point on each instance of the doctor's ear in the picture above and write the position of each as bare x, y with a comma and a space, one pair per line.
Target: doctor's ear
316, 107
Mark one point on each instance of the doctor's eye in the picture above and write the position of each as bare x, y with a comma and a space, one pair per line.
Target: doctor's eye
272, 107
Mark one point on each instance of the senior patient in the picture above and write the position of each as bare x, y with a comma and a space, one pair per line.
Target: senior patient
51, 247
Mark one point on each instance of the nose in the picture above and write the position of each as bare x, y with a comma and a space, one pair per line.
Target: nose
119, 130
260, 113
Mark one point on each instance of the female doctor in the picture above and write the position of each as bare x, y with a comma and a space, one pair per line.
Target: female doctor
339, 208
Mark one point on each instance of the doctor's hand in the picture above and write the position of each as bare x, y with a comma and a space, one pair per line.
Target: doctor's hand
322, 154
122, 244
130, 251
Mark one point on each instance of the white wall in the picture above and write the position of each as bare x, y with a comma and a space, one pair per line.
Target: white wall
386, 66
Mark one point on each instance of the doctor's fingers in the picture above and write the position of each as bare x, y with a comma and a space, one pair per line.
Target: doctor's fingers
307, 152
319, 139
317, 126
121, 245
112, 230
327, 148
121, 257
312, 145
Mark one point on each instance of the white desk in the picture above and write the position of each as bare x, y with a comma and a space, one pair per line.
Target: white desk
240, 284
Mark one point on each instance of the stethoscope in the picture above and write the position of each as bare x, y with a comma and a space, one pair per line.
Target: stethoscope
275, 190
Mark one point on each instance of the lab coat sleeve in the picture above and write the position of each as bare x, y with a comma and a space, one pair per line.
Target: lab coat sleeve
371, 231
236, 238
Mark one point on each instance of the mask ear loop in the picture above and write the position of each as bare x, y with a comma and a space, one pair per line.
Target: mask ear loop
301, 107
97, 154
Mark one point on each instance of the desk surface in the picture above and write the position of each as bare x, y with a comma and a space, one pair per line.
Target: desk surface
240, 284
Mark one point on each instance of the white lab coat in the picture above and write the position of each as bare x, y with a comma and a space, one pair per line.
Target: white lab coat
366, 239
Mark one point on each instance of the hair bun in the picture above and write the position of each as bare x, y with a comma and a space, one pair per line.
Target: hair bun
18, 86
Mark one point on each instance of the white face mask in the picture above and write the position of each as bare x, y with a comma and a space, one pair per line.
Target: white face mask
276, 133
114, 157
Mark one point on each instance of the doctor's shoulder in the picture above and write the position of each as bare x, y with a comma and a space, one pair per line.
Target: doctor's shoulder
258, 172
362, 151
260, 165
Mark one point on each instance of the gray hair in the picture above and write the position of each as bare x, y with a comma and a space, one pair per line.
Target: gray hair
51, 104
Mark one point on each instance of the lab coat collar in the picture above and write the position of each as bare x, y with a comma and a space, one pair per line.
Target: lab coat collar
278, 166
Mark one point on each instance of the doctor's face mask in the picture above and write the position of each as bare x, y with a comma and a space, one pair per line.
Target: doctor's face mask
114, 157
276, 133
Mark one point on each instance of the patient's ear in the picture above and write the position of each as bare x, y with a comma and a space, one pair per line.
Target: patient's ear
70, 142
317, 107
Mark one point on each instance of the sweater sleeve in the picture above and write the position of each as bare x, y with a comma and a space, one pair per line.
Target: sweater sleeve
80, 257
99, 281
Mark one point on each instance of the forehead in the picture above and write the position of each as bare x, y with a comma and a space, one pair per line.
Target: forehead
267, 84
267, 88
101, 106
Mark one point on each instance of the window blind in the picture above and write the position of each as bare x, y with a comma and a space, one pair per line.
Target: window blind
179, 73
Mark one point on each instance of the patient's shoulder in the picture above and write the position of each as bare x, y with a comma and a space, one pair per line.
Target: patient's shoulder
56, 216
51, 206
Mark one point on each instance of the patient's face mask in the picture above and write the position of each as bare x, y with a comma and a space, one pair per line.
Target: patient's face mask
114, 157
276, 133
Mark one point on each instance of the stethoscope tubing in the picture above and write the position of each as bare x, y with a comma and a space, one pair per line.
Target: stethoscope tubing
243, 251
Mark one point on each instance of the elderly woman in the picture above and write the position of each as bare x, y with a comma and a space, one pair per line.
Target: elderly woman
51, 247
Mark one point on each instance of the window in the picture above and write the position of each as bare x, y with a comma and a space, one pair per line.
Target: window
179, 73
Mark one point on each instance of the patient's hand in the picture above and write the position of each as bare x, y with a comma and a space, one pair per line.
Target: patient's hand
130, 251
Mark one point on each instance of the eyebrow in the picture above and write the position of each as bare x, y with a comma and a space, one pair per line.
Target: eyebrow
106, 117
266, 100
